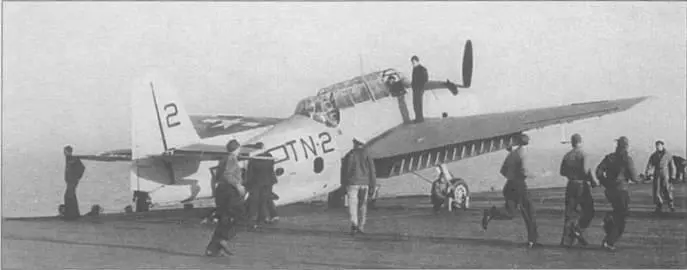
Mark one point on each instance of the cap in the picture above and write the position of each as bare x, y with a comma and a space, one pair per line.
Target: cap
576, 138
623, 140
233, 145
660, 142
414, 58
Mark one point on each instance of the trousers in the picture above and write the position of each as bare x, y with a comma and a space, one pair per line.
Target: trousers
71, 204
577, 193
258, 203
225, 230
417, 103
614, 222
662, 190
517, 196
357, 204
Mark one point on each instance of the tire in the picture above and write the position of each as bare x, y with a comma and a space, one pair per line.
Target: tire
461, 193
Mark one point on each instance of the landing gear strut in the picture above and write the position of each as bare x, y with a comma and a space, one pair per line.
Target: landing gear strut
458, 192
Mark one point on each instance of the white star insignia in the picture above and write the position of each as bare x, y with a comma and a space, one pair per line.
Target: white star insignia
225, 124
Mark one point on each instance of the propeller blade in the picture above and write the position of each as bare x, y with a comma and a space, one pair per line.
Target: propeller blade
467, 64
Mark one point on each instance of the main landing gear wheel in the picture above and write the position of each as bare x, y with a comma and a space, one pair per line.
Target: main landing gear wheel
460, 196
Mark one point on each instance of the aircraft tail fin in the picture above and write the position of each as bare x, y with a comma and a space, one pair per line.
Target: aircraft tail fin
159, 120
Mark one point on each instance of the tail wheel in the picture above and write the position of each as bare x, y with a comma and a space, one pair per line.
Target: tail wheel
461, 194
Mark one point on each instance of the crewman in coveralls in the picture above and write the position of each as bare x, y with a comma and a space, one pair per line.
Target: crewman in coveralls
576, 168
614, 172
229, 202
661, 162
516, 169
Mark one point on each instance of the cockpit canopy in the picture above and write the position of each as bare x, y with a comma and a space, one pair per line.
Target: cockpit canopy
320, 109
325, 106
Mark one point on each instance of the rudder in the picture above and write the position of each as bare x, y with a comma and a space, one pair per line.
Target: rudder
160, 122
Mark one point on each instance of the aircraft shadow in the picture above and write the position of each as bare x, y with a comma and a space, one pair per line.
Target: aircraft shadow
69, 242
599, 213
396, 237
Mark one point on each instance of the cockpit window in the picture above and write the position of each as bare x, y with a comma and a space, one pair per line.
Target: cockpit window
360, 93
320, 108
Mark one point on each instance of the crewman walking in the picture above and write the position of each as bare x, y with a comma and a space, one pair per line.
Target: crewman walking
614, 172
516, 169
260, 179
661, 162
73, 172
229, 202
420, 77
361, 180
576, 168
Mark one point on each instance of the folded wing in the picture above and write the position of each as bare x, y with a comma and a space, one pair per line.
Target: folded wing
409, 148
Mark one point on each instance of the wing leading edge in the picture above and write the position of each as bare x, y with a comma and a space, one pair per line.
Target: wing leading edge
409, 148
207, 126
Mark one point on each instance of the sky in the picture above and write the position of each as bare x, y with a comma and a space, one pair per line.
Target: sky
68, 67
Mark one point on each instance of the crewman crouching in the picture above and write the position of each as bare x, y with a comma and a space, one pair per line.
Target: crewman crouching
441, 190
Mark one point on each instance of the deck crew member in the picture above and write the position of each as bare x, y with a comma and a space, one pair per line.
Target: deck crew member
260, 178
441, 190
420, 77
661, 162
228, 201
360, 182
516, 169
614, 172
395, 84
73, 172
680, 168
578, 192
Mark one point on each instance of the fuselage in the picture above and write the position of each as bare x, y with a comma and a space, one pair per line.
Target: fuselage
308, 146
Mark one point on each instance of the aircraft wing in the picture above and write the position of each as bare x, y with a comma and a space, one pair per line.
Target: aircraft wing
412, 147
207, 126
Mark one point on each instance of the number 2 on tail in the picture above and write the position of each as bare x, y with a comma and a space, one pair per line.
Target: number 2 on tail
171, 113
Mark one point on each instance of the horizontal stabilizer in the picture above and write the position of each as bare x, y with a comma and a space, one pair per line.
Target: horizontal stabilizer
115, 155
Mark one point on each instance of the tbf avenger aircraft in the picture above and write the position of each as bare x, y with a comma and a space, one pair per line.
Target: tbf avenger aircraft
174, 154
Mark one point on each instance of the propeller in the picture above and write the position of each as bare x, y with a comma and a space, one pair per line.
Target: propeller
467, 64
467, 70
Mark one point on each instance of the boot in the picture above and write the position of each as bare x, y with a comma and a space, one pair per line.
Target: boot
225, 247
578, 233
